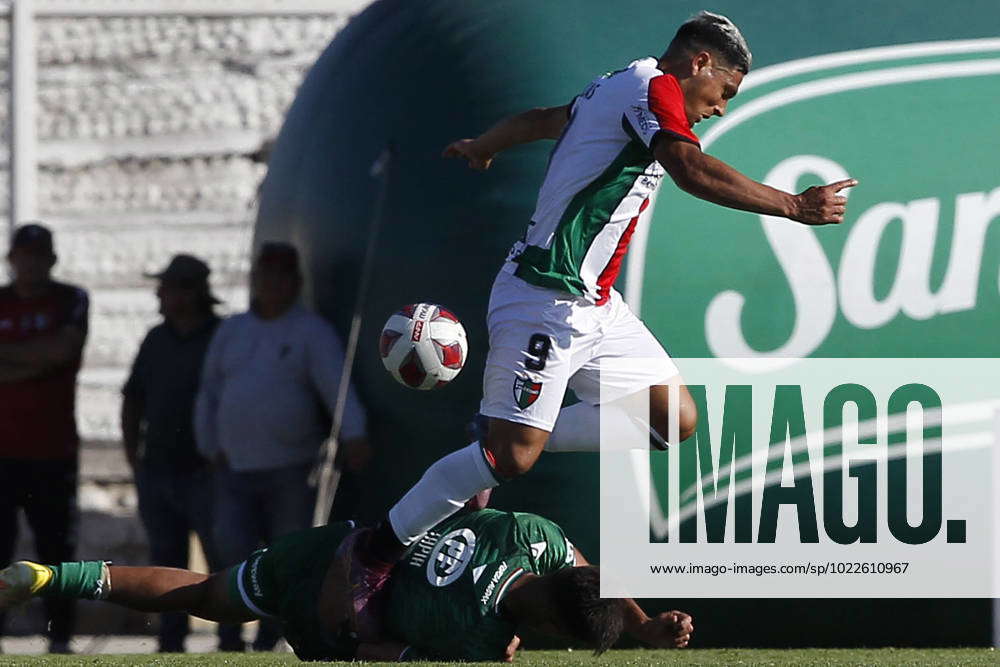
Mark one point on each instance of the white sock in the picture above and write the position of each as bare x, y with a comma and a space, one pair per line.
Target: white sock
578, 428
441, 492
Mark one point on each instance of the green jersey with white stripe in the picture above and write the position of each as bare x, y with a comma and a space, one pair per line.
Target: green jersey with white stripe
445, 594
600, 181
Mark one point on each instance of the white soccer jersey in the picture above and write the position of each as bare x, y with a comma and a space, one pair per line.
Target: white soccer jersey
599, 180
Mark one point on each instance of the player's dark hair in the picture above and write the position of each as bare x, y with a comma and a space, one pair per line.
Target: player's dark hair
594, 620
706, 31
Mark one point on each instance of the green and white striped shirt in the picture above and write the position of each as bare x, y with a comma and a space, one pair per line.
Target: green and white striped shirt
599, 182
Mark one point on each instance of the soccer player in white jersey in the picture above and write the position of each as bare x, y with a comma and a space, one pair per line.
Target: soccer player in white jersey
554, 313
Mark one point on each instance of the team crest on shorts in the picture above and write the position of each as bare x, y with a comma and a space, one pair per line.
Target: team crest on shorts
526, 392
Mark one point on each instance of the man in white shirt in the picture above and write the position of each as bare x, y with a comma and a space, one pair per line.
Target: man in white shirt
268, 386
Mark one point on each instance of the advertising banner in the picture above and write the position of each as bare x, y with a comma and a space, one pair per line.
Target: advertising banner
807, 478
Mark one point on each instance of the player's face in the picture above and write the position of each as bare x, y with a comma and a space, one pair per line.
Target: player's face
708, 90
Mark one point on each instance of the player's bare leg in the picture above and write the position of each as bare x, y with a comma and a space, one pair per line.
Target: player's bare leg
578, 425
510, 450
477, 431
514, 447
164, 589
659, 412
152, 589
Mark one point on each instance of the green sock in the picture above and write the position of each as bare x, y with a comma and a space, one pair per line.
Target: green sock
82, 579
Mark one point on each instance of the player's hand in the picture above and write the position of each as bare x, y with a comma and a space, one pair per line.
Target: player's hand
469, 149
671, 629
821, 205
508, 654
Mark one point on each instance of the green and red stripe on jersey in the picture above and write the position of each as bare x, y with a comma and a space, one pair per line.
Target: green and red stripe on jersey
610, 273
600, 180
588, 214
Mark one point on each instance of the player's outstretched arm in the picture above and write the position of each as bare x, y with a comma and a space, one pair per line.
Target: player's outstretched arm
713, 180
671, 629
522, 128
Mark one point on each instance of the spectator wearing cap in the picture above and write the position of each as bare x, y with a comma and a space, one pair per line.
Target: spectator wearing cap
43, 325
172, 479
268, 390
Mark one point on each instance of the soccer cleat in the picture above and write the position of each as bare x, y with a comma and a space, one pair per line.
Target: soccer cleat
19, 581
367, 577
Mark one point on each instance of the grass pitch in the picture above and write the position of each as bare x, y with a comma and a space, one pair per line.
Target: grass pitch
968, 656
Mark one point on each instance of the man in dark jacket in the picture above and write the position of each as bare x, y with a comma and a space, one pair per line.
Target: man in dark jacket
173, 481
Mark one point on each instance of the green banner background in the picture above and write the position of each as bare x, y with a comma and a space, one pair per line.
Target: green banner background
424, 72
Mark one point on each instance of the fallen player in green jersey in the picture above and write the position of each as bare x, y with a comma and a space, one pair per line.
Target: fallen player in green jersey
460, 593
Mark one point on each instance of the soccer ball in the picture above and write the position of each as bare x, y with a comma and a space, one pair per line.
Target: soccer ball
423, 346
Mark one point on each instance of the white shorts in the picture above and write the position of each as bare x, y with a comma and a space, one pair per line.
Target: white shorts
543, 341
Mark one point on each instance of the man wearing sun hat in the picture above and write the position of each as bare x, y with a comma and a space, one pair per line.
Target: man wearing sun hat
43, 325
172, 479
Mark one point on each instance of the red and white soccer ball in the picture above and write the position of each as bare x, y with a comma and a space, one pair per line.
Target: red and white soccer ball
423, 346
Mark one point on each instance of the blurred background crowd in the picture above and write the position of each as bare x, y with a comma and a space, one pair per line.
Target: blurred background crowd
153, 135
